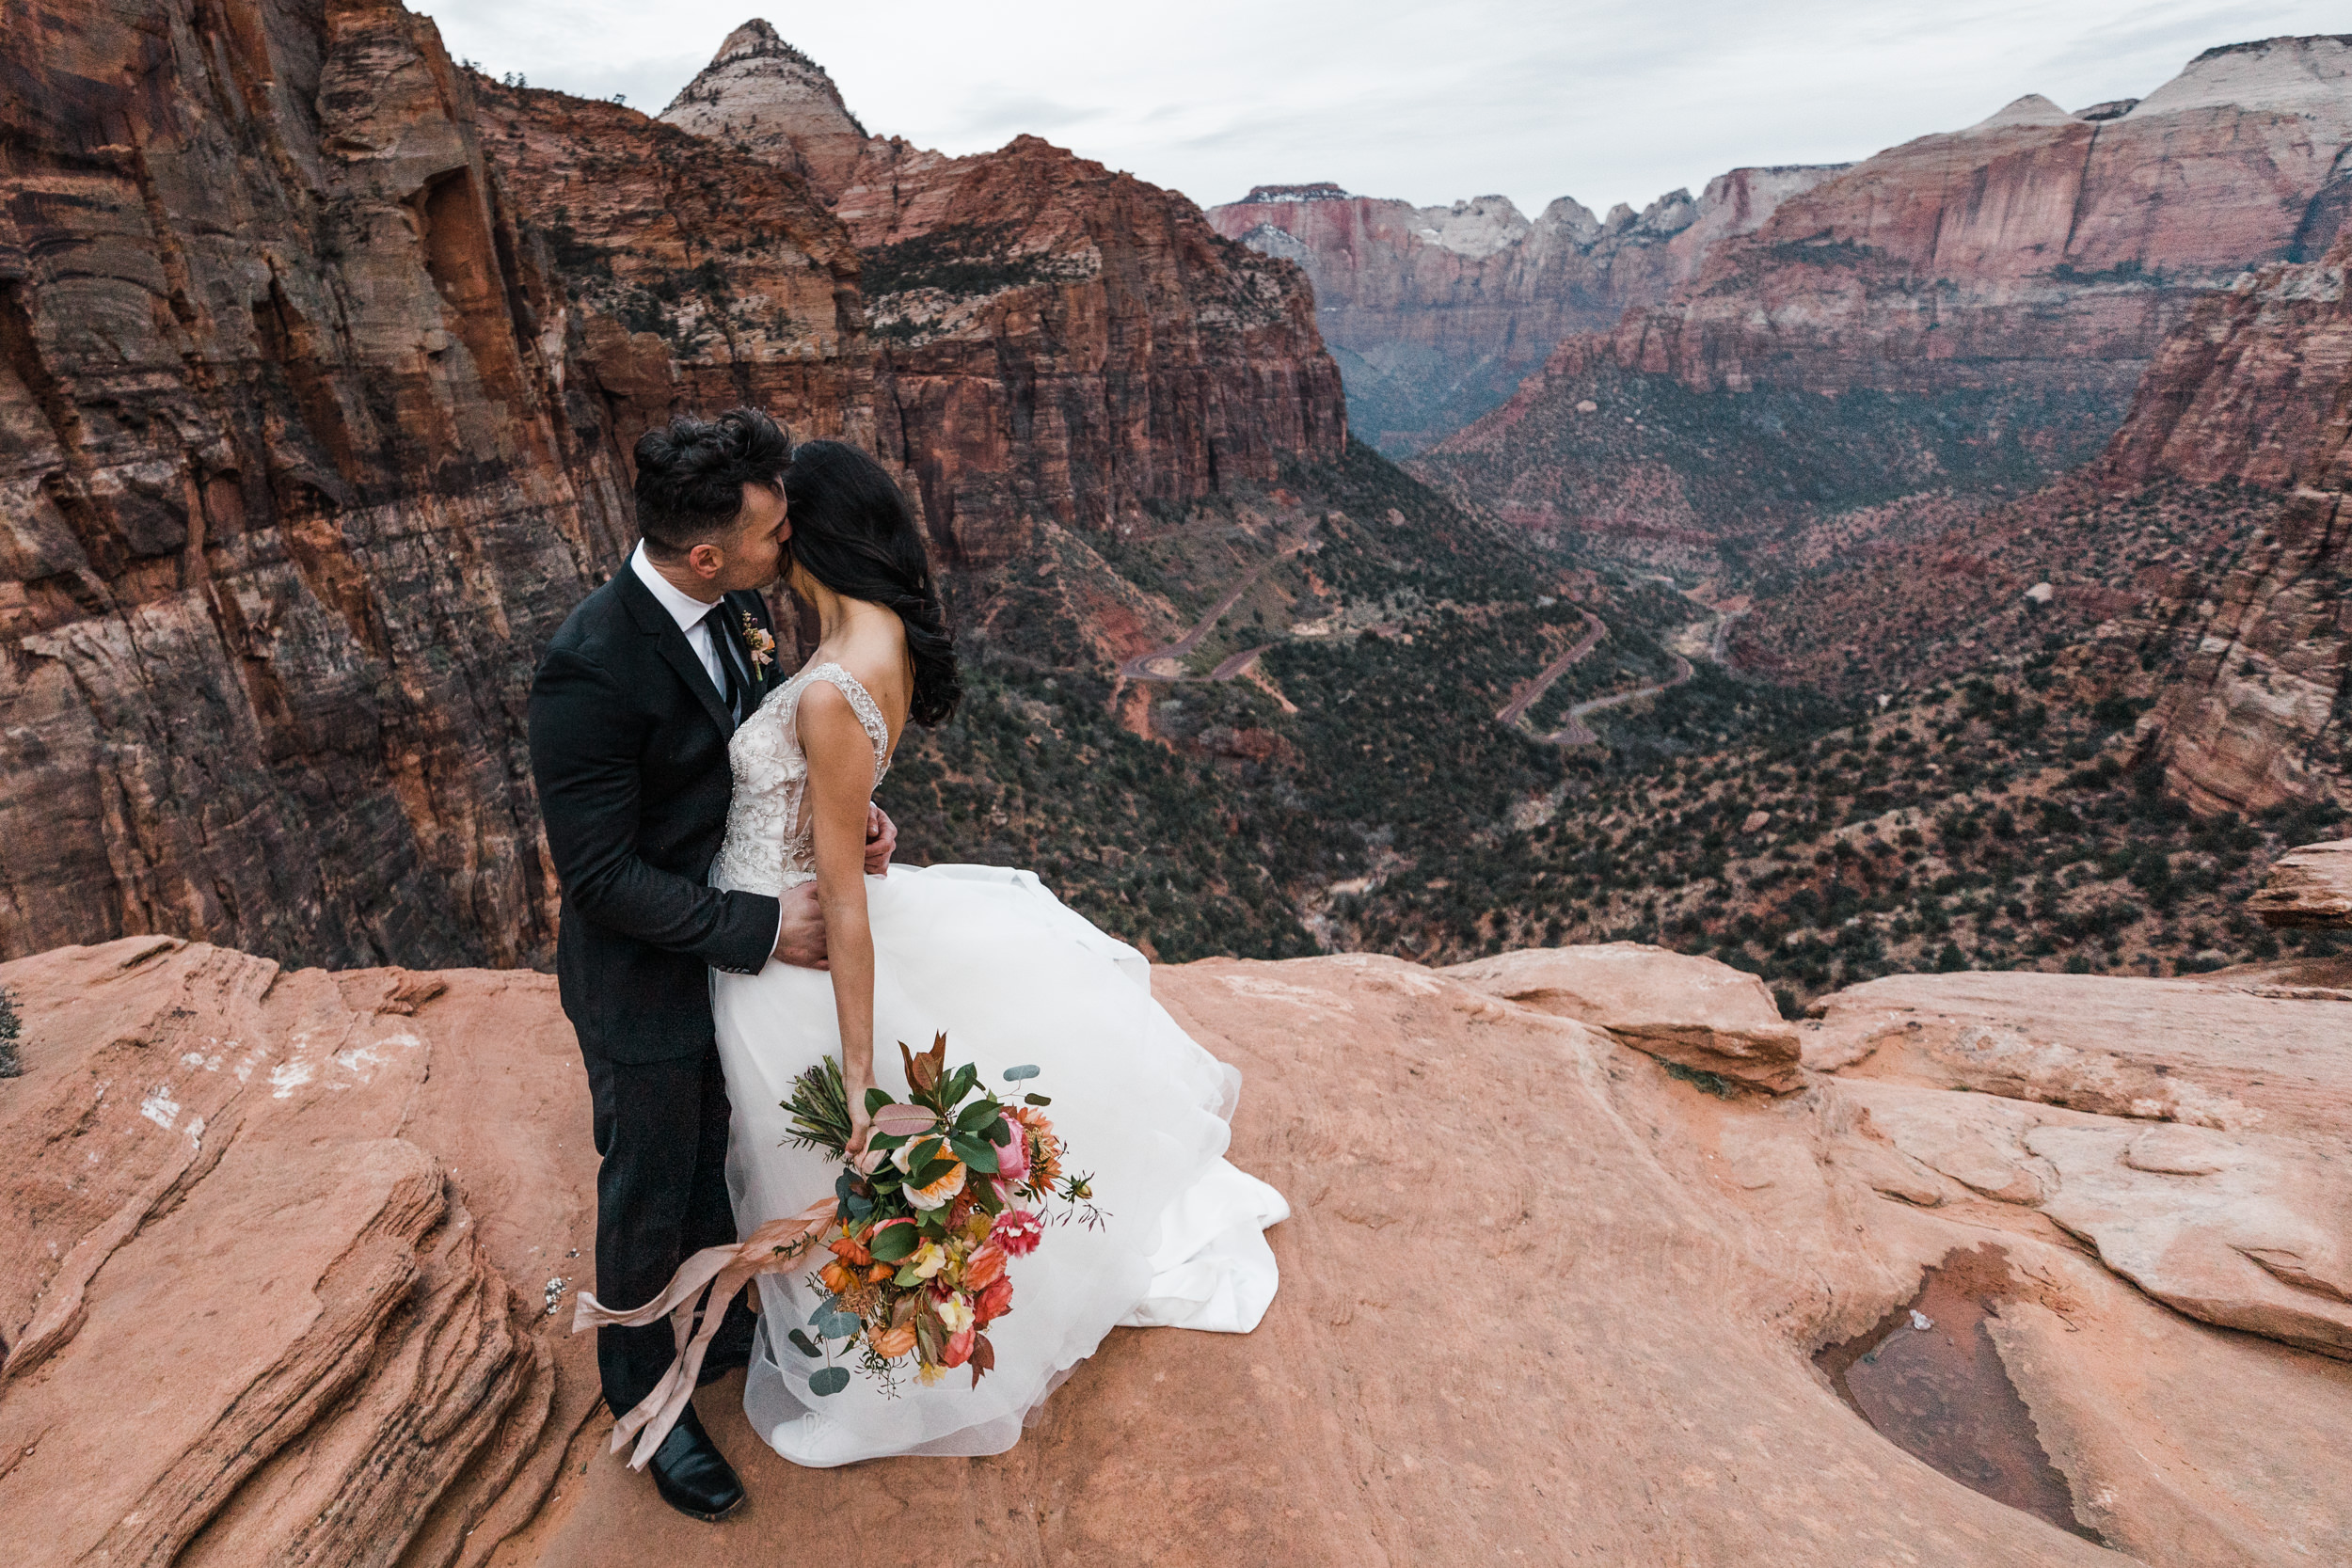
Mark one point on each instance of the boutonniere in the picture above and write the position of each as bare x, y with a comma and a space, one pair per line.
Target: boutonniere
763, 647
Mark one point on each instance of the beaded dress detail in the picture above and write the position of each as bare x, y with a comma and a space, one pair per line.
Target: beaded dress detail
768, 847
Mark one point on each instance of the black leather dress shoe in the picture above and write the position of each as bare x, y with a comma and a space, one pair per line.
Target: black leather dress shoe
691, 1473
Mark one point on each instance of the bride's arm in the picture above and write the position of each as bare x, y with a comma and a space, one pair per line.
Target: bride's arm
840, 784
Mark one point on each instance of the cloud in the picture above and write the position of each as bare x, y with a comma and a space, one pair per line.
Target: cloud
1604, 100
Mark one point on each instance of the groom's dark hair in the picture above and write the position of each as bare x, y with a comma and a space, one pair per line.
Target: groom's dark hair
690, 475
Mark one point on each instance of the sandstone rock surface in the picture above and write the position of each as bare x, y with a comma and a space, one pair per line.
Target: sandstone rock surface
2311, 886
1662, 1262
1692, 1011
277, 1249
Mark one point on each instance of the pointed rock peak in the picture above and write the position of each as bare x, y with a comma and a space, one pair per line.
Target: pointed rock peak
761, 93
1571, 217
2032, 109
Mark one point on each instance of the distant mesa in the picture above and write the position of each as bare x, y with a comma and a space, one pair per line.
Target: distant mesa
1321, 190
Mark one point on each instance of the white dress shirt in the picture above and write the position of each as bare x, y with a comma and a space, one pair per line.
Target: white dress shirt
688, 613
687, 610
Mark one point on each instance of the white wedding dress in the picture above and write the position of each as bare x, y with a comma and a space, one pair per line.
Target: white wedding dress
1014, 977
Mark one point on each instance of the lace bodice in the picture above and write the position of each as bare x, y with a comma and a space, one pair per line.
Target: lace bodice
768, 846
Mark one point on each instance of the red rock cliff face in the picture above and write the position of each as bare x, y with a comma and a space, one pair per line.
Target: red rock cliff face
1438, 311
302, 457
1053, 342
1056, 341
2257, 386
2036, 247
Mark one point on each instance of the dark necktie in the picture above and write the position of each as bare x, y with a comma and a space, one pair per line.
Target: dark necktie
737, 686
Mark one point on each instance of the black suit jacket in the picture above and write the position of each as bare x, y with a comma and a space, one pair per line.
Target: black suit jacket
628, 746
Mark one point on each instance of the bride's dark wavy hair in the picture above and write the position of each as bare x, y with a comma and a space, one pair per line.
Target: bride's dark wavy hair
853, 532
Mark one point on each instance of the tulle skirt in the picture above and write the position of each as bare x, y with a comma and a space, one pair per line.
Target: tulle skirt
1014, 977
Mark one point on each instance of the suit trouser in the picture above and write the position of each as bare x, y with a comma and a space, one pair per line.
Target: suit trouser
661, 1194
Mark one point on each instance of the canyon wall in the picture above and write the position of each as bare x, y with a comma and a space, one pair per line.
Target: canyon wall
1969, 312
2256, 386
2035, 246
1054, 342
320, 360
290, 491
1435, 313
304, 453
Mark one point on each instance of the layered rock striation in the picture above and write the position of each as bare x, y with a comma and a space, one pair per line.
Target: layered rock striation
2033, 246
326, 1211
1059, 343
2255, 709
292, 481
320, 362
1436, 313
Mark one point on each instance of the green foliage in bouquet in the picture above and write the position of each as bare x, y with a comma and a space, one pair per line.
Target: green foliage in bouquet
929, 1215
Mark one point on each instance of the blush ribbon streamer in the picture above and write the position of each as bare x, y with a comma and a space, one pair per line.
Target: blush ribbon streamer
694, 1319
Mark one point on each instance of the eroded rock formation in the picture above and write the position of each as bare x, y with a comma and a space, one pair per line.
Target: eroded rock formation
291, 483
2257, 386
2128, 1191
1969, 311
1436, 312
2035, 246
1056, 344
320, 359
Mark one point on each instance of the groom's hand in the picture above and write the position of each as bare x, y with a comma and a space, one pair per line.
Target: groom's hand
881, 838
800, 932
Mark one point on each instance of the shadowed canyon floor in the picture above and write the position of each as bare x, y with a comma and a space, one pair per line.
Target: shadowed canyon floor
284, 1244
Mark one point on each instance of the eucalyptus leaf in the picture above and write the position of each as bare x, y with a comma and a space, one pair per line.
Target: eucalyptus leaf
829, 1380
839, 1325
802, 1342
1014, 1074
1038, 1099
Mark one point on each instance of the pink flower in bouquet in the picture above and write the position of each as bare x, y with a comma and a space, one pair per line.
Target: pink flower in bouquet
1017, 1231
993, 1302
958, 1349
1012, 1160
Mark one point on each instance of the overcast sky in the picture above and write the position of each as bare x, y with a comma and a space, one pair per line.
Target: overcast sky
1606, 101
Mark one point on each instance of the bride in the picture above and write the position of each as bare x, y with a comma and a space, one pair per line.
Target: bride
987, 956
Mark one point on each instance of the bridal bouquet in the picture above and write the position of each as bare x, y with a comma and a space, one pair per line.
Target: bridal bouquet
947, 1194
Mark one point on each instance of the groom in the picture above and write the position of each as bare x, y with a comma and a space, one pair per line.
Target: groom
631, 714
